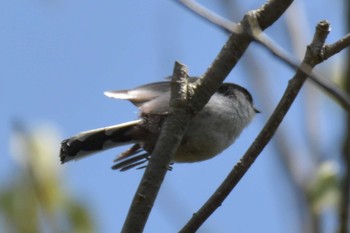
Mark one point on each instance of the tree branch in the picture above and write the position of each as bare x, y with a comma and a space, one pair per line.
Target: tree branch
338, 46
172, 131
312, 58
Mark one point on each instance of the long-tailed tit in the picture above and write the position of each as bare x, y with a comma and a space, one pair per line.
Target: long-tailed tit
211, 131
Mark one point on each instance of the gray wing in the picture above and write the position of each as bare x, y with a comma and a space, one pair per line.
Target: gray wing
150, 98
140, 94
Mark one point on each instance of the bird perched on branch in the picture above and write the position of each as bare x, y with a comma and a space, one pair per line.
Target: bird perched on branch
211, 131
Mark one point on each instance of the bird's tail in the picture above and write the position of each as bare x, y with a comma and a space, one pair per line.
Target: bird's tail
92, 141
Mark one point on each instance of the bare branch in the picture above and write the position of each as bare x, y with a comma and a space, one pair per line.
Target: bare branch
172, 131
293, 88
338, 46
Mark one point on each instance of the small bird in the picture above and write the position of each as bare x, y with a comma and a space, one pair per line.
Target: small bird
210, 132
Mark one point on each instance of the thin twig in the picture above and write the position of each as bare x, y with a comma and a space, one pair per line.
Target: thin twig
336, 47
264, 136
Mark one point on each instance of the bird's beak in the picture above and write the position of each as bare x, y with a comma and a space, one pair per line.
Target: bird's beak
256, 110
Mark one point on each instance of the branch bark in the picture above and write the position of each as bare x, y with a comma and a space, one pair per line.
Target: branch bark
165, 149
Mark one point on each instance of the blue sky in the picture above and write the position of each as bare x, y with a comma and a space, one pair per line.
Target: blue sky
58, 57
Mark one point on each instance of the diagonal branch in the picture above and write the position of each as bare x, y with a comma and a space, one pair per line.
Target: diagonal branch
336, 47
311, 59
165, 149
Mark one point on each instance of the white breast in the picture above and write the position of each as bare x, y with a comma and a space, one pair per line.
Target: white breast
214, 128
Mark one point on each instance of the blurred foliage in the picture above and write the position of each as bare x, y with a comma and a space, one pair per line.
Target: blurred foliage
35, 200
324, 190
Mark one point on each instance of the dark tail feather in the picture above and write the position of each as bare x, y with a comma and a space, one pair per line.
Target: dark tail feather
89, 142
